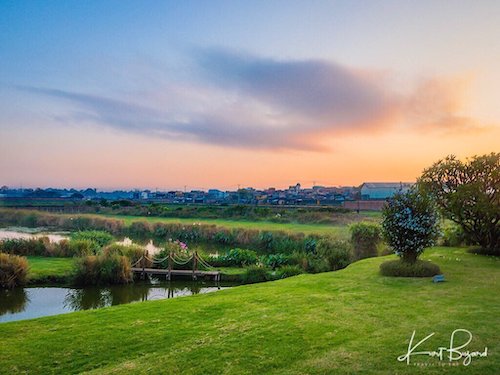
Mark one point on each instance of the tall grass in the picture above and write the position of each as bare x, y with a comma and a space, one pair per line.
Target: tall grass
102, 270
13, 270
37, 247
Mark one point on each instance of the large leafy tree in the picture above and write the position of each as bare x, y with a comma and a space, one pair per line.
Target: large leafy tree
468, 194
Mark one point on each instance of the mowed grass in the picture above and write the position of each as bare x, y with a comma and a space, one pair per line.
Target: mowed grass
353, 321
340, 230
41, 268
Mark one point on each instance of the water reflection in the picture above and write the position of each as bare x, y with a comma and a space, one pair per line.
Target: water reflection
26, 303
13, 301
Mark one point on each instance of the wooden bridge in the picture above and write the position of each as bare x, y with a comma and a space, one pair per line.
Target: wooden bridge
143, 266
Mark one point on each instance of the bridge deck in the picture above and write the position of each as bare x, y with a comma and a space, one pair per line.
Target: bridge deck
160, 271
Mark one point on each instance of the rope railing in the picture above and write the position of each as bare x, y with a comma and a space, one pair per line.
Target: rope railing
180, 259
204, 263
176, 259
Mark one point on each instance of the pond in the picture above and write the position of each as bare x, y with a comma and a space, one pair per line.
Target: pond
28, 303
27, 233
33, 302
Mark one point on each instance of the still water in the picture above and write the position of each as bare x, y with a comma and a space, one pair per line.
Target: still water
28, 303
27, 233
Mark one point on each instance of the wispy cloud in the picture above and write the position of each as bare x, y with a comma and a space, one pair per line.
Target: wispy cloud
253, 102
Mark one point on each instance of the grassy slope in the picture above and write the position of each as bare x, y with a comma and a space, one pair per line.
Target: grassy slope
42, 268
347, 322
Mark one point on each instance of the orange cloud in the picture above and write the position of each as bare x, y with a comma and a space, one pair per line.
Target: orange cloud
260, 103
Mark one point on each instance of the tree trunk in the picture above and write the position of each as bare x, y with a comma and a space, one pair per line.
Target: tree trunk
410, 257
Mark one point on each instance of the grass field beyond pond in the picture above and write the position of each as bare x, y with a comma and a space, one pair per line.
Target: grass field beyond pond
353, 321
42, 269
341, 230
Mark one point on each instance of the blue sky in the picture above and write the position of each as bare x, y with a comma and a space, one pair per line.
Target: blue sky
275, 85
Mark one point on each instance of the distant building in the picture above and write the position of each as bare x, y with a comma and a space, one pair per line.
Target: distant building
382, 190
294, 189
216, 194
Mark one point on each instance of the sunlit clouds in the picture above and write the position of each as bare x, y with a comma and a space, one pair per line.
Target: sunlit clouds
119, 94
263, 103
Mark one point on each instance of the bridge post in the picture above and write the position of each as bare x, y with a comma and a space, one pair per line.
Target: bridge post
195, 264
143, 275
169, 274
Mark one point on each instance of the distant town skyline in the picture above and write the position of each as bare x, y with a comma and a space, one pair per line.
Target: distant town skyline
189, 188
126, 94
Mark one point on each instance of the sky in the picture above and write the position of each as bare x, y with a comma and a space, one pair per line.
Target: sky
221, 94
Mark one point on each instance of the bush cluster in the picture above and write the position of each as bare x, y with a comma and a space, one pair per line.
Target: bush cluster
103, 269
420, 268
13, 270
274, 261
256, 274
365, 237
36, 247
453, 235
234, 258
98, 237
288, 271
132, 252
80, 244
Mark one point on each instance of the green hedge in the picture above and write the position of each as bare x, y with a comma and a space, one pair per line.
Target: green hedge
399, 268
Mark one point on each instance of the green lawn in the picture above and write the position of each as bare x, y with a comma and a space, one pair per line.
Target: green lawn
352, 321
45, 269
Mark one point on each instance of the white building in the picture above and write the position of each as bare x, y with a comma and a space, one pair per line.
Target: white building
383, 190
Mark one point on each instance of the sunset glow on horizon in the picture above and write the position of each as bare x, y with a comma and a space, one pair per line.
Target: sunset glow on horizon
162, 95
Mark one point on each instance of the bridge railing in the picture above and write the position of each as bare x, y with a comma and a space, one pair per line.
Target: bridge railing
172, 259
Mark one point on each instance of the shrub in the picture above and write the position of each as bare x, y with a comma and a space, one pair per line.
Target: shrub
139, 229
316, 264
288, 271
80, 248
62, 249
36, 247
255, 274
266, 241
419, 268
13, 270
101, 238
223, 237
274, 261
310, 245
410, 224
132, 252
179, 250
453, 235
103, 269
299, 259
31, 246
365, 238
160, 231
336, 253
240, 257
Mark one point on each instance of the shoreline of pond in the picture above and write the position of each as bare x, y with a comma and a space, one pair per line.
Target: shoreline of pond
31, 302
